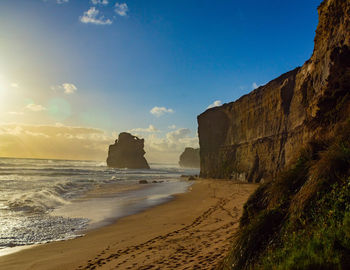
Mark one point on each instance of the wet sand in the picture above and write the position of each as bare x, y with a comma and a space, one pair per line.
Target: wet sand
193, 231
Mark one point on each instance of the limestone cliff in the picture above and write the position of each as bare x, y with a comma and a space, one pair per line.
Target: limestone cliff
127, 152
257, 135
189, 158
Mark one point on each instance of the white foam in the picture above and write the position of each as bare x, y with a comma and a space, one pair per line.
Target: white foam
31, 189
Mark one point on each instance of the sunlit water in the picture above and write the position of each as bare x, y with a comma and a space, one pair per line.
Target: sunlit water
44, 200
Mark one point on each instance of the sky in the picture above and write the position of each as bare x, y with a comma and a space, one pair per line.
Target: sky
76, 73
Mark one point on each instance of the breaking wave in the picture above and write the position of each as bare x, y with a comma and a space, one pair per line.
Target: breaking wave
30, 189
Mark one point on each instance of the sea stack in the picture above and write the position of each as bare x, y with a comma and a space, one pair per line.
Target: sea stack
127, 152
189, 158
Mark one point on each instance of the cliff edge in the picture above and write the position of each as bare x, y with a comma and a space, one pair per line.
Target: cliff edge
294, 133
127, 152
256, 136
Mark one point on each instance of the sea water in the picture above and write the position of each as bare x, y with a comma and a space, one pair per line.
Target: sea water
43, 200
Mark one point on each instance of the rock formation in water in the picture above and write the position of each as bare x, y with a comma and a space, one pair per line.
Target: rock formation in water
127, 152
257, 135
189, 158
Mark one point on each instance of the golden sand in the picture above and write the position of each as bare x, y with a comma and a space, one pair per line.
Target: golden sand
194, 230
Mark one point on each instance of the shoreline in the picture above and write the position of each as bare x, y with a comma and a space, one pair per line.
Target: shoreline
193, 228
105, 205
112, 189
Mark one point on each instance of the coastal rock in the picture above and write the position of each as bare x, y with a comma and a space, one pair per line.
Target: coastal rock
256, 136
127, 152
143, 182
190, 158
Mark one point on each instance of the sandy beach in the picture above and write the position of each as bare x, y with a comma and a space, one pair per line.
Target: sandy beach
193, 231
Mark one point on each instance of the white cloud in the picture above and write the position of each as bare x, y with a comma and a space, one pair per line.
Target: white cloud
14, 85
216, 103
58, 124
69, 88
15, 113
18, 140
11, 130
168, 149
35, 107
150, 129
255, 85
172, 127
159, 111
121, 9
91, 16
99, 2
176, 135
36, 134
62, 1
115, 134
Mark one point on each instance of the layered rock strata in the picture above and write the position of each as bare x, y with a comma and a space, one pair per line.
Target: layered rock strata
257, 135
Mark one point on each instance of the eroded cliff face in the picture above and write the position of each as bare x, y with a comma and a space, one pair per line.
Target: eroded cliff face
258, 135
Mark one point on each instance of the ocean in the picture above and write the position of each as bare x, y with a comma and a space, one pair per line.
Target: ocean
44, 200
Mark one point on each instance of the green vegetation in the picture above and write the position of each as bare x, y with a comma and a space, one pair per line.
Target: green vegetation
324, 243
301, 220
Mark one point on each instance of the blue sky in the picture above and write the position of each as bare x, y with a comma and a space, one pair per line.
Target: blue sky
120, 59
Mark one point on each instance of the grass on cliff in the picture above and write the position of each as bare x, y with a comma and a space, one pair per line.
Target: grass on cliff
323, 243
302, 219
